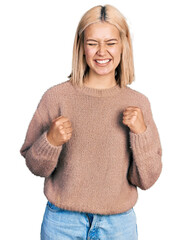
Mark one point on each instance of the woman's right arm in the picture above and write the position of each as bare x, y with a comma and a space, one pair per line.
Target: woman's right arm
41, 156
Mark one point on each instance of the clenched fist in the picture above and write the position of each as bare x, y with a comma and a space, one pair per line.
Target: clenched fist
133, 118
60, 131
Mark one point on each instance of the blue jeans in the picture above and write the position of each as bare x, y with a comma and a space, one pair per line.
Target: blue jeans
60, 224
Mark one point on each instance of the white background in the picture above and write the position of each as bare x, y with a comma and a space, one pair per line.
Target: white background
35, 53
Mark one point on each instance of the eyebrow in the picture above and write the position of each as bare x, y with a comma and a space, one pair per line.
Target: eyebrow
113, 39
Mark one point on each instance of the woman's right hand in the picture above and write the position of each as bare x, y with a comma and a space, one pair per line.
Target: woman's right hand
60, 131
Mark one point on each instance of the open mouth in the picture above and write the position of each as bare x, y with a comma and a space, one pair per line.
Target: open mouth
103, 61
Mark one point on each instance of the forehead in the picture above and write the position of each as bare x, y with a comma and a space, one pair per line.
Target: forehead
101, 30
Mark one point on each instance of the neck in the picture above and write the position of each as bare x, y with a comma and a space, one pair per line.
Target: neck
99, 82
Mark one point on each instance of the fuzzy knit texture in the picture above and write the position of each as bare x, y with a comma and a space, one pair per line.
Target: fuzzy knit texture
99, 169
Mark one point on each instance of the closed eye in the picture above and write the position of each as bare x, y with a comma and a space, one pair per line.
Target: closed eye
111, 44
92, 44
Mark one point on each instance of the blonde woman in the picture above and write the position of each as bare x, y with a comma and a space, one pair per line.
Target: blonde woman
93, 138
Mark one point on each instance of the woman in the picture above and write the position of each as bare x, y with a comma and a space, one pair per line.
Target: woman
93, 138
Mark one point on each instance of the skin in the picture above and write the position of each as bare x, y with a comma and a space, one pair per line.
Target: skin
101, 42
133, 118
60, 131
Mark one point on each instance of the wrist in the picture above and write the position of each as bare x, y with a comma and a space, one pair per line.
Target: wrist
50, 140
139, 131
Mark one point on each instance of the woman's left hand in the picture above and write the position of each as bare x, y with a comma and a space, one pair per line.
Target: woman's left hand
133, 118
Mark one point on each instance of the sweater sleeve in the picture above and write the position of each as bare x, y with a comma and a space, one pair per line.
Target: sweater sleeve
146, 151
41, 157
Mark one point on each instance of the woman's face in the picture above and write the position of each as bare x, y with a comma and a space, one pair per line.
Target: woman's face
102, 48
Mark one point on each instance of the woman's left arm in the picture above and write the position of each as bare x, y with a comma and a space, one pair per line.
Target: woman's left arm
146, 165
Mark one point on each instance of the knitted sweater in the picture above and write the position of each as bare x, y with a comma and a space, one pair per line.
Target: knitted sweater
99, 169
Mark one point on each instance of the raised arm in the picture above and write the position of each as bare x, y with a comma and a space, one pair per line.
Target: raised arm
41, 156
146, 152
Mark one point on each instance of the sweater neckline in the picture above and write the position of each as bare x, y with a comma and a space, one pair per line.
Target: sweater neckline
100, 92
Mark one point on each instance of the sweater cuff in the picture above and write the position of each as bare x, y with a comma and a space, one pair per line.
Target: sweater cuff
142, 142
45, 148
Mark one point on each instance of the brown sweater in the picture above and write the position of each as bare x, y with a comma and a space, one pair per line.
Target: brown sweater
99, 169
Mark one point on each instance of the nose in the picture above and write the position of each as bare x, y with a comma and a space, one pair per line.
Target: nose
101, 50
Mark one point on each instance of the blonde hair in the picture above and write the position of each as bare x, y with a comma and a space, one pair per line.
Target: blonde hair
124, 73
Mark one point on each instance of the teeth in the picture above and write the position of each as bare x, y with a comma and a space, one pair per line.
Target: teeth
102, 61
